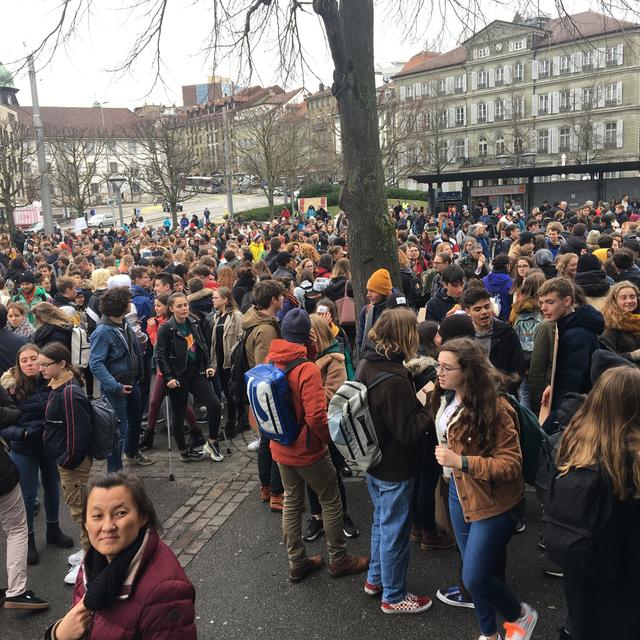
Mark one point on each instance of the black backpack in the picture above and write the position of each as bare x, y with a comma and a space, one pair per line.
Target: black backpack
105, 429
578, 508
206, 325
239, 366
247, 301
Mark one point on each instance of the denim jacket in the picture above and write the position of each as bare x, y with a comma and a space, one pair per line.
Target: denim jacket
111, 356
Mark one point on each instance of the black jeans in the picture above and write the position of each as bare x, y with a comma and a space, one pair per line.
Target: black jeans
314, 503
233, 410
268, 469
202, 389
426, 479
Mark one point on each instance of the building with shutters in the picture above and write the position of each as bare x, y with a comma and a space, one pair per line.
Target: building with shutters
532, 93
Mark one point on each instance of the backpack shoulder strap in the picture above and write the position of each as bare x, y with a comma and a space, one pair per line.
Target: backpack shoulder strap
381, 377
293, 364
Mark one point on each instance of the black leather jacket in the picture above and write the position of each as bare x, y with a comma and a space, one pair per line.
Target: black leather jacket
171, 349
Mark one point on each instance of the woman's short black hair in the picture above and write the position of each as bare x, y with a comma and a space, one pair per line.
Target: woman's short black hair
136, 489
116, 302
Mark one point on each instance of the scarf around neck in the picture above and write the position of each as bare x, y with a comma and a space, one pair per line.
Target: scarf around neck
629, 322
104, 578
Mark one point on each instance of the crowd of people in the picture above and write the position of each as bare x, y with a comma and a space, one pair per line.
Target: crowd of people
496, 314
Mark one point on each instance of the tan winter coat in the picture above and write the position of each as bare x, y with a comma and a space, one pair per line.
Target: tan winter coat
333, 372
230, 337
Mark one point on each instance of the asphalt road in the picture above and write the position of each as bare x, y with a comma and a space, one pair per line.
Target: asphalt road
217, 204
242, 590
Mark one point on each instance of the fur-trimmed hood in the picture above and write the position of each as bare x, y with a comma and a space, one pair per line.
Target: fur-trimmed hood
200, 295
7, 380
419, 364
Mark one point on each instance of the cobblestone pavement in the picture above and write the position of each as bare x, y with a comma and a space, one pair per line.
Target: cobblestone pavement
217, 490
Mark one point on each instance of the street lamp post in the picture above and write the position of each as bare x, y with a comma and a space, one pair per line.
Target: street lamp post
116, 182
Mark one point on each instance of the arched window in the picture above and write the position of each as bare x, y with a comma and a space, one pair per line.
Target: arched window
500, 145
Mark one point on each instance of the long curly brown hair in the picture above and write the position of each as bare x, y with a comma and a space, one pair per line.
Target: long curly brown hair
482, 384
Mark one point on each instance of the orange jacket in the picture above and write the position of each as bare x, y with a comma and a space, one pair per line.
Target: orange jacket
309, 403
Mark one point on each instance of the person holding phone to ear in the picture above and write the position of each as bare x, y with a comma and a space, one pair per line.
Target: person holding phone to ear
185, 362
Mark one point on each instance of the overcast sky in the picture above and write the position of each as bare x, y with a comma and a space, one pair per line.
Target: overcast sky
79, 72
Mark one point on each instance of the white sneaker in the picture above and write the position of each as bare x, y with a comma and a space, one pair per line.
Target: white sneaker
72, 574
522, 628
254, 446
76, 557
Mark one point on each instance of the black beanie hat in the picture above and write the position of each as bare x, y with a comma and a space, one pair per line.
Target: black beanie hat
457, 325
588, 262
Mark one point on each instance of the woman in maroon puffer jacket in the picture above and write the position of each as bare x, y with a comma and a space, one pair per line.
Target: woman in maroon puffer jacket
131, 584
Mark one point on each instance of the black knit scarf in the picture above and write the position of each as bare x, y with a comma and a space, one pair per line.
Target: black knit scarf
104, 578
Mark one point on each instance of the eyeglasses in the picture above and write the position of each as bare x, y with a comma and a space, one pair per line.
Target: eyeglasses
444, 368
45, 365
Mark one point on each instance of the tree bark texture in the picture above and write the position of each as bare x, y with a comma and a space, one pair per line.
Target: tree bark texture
372, 242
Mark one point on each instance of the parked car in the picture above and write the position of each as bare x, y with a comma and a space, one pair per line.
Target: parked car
38, 227
105, 219
166, 208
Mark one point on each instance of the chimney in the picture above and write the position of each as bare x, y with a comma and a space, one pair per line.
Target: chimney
321, 87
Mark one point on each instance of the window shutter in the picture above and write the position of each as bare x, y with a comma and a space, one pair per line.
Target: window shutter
474, 114
553, 140
598, 131
451, 117
620, 53
464, 82
466, 147
600, 96
619, 93
508, 74
602, 58
555, 65
450, 152
534, 69
492, 77
403, 92
508, 108
572, 62
578, 61
491, 111
619, 138
474, 80
577, 99
450, 82
464, 116
417, 89
534, 104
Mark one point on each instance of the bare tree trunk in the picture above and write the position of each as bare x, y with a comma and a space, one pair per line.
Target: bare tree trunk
372, 244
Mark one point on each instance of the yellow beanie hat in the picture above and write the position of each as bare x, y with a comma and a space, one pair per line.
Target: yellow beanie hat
602, 255
380, 282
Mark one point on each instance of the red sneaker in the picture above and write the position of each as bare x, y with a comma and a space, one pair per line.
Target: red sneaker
372, 589
410, 604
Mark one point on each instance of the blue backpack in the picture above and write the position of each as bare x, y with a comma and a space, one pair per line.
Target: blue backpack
270, 400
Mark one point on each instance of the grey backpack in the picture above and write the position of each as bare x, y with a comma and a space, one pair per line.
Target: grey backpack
351, 425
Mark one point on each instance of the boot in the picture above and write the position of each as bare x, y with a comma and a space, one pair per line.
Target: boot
32, 552
56, 537
146, 439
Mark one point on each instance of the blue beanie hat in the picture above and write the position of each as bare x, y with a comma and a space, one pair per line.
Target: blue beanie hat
296, 326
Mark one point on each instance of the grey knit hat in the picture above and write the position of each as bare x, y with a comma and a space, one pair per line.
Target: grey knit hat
296, 326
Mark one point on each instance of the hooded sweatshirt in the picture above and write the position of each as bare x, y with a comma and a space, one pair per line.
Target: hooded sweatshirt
499, 285
578, 339
263, 329
310, 407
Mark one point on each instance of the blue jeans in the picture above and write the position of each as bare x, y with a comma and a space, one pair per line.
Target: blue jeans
525, 392
28, 466
390, 533
481, 545
128, 410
